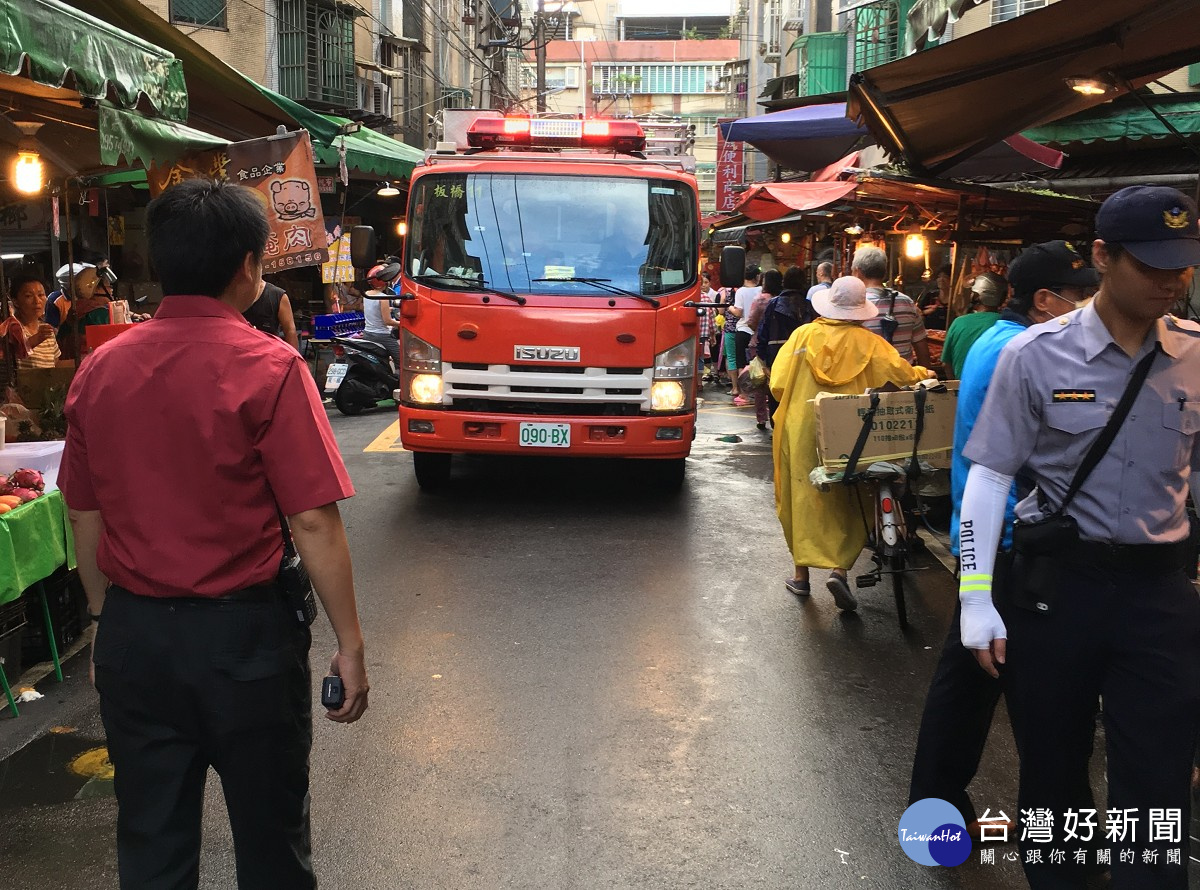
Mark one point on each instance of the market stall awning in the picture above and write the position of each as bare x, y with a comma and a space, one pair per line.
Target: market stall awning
144, 140
370, 151
56, 45
221, 100
806, 138
928, 19
1126, 119
367, 151
772, 200
883, 203
937, 107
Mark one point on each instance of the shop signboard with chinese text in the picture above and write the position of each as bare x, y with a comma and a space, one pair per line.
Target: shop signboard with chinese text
339, 267
280, 169
730, 169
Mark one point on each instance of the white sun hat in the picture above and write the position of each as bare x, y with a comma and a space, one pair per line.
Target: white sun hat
845, 300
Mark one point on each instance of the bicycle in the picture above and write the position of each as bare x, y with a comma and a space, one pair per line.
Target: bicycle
889, 539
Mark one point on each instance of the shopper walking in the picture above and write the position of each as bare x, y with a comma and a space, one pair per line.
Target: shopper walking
1047, 280
772, 285
743, 299
991, 290
189, 438
833, 354
898, 320
1096, 600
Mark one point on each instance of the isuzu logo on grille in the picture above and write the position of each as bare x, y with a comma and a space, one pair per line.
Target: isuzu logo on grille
546, 353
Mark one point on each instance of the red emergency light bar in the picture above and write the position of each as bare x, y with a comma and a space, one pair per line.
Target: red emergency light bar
525, 132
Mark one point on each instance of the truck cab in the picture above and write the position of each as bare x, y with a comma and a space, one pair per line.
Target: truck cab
549, 278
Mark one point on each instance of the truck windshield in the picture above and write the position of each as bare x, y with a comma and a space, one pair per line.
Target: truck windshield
638, 235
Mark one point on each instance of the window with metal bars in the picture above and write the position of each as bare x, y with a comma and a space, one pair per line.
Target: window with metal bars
657, 79
877, 34
316, 52
207, 13
1003, 10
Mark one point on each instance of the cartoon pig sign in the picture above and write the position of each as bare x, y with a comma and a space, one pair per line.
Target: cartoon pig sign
292, 199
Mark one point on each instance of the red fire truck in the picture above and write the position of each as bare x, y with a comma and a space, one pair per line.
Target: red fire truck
546, 272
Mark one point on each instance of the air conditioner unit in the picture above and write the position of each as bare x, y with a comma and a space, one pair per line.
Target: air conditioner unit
381, 100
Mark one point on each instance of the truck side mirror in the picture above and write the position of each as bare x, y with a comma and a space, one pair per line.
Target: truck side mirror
733, 265
363, 251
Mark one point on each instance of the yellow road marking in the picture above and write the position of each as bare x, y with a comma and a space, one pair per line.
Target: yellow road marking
387, 442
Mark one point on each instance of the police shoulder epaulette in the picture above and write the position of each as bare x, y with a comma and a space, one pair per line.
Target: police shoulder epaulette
1185, 325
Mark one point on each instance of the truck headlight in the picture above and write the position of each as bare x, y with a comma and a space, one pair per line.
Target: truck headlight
426, 389
677, 362
667, 395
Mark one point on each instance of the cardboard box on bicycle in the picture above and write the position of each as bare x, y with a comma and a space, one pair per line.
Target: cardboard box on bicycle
840, 418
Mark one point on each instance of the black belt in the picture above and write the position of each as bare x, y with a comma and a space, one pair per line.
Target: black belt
1133, 557
259, 593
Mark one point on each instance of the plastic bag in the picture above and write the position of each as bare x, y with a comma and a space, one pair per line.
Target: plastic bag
760, 374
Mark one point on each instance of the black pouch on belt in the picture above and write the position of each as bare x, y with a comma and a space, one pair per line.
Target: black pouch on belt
1037, 555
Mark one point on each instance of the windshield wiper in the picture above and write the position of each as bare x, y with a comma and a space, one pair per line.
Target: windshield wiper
475, 285
603, 284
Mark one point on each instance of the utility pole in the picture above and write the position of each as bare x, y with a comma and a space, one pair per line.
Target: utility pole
539, 44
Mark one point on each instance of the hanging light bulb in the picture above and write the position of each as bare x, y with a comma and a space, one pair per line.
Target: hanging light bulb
914, 246
387, 190
28, 171
786, 237
401, 228
28, 175
855, 229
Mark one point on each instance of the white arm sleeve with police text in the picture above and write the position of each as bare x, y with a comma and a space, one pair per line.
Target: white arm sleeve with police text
981, 521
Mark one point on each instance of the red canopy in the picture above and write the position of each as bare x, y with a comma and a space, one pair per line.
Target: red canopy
771, 200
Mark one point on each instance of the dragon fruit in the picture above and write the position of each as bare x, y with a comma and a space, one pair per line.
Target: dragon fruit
25, 494
27, 478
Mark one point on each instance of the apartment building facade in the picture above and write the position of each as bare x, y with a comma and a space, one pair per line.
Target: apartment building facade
649, 59
390, 64
813, 46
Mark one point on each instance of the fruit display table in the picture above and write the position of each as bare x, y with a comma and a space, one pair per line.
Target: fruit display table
35, 539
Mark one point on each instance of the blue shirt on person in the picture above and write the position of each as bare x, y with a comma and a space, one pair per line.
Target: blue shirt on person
972, 388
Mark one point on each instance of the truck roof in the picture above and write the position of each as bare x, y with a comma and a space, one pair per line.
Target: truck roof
565, 162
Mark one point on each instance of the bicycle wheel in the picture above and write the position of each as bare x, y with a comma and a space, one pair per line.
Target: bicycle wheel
898, 563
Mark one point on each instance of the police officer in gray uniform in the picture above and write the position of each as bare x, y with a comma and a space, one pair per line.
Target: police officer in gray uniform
1118, 619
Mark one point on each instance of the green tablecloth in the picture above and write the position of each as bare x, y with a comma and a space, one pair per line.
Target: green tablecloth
35, 539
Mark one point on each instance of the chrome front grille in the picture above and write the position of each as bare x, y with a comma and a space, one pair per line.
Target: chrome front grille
590, 391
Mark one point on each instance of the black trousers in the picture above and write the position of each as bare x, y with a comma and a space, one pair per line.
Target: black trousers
1130, 637
189, 684
954, 726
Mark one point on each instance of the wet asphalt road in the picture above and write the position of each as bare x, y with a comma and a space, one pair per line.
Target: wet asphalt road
576, 683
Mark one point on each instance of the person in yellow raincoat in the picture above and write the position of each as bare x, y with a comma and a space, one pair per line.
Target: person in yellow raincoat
832, 354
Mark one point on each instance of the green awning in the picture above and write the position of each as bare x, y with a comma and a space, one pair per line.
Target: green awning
58, 46
370, 151
366, 150
1123, 120
146, 140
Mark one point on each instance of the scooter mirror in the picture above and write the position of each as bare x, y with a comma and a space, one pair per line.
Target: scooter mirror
362, 247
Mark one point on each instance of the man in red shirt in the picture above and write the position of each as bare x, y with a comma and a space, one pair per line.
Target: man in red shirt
189, 438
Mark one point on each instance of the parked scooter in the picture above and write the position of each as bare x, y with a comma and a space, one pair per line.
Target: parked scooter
363, 374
